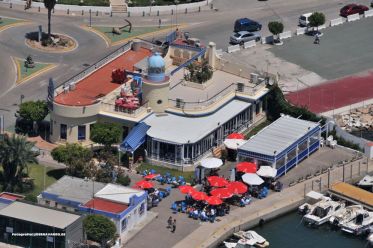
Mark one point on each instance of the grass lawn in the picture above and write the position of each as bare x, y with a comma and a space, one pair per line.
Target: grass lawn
7, 21
36, 171
162, 170
256, 129
136, 31
27, 72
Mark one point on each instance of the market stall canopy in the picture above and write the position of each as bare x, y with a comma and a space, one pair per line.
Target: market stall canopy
236, 136
252, 179
234, 143
211, 163
187, 189
199, 196
216, 181
213, 200
267, 171
237, 188
151, 176
246, 167
144, 184
222, 193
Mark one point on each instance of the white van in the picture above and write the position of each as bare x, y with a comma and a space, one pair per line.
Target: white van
303, 19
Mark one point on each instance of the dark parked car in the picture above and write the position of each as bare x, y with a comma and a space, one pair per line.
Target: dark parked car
245, 24
351, 9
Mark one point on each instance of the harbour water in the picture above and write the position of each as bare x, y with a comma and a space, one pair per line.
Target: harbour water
288, 232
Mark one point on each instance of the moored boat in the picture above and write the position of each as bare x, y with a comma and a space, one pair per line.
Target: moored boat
360, 224
345, 215
322, 212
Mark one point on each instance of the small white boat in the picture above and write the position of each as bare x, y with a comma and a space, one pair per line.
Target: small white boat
370, 239
366, 182
360, 224
251, 238
345, 215
322, 211
312, 198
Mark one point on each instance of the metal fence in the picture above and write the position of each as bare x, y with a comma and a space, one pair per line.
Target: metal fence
188, 62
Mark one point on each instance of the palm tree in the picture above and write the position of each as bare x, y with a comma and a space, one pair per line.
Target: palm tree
15, 153
49, 4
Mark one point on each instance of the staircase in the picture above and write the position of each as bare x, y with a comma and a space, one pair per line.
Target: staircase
118, 6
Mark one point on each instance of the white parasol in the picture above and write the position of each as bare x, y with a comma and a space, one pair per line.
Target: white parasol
252, 179
234, 143
267, 171
211, 163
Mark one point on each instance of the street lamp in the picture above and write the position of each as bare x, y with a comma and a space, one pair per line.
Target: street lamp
176, 3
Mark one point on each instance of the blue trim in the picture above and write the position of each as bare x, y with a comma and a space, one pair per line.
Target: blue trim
6, 201
135, 138
60, 200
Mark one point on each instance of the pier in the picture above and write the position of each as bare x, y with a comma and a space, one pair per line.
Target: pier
352, 194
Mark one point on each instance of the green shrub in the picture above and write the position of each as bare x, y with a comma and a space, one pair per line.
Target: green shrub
31, 198
124, 180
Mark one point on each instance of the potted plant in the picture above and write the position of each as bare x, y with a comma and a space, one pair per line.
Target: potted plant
276, 28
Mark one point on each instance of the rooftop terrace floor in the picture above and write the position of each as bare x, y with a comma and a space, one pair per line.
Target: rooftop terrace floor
99, 83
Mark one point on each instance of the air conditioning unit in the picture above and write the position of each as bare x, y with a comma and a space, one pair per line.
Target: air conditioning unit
254, 78
66, 89
240, 87
148, 109
179, 103
72, 86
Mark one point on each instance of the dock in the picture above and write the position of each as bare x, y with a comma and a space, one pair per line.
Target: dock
352, 194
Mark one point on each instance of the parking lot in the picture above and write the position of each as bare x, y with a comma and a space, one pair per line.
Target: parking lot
343, 50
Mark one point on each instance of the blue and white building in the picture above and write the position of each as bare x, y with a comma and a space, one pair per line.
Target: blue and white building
283, 144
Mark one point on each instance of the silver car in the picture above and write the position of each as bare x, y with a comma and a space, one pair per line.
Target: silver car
244, 36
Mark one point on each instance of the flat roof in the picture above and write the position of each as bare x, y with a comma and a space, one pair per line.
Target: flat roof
38, 214
98, 83
353, 193
183, 129
278, 136
11, 196
105, 205
3, 205
118, 193
74, 189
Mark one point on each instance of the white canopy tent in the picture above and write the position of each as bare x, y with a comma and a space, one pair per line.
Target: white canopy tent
211, 163
252, 179
234, 143
267, 171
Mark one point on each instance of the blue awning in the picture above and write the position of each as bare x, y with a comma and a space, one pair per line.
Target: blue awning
135, 138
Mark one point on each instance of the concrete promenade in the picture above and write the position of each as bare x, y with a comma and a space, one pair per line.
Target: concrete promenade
209, 235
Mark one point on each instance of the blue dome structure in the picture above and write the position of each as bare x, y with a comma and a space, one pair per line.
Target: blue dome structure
156, 68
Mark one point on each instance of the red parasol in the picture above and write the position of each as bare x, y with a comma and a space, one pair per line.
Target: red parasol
222, 193
144, 184
199, 196
237, 187
216, 181
187, 189
151, 176
213, 200
236, 136
246, 167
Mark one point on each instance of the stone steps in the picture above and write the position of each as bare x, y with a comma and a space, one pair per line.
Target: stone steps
118, 6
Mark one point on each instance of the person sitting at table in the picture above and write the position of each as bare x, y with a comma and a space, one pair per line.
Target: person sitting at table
203, 215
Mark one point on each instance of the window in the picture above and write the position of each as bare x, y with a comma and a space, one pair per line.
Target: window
47, 202
63, 131
159, 102
123, 224
64, 208
81, 132
142, 208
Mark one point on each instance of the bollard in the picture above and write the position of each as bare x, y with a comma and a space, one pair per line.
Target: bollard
186, 10
129, 14
39, 9
172, 11
53, 10
111, 13
10, 5
143, 13
199, 9
97, 13
211, 6
82, 12
68, 11
157, 12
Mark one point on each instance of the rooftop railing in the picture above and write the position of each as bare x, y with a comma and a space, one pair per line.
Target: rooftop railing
232, 88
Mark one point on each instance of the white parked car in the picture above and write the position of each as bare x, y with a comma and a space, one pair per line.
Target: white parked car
303, 20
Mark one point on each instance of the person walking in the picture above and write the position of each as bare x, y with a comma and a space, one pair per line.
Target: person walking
169, 222
317, 38
173, 226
